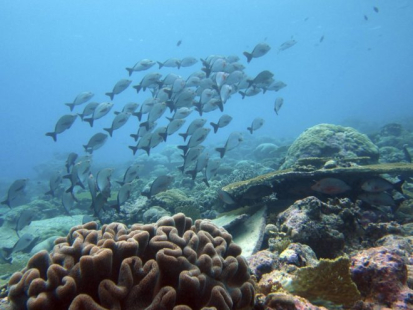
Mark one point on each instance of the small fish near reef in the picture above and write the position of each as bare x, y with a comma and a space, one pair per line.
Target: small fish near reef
330, 186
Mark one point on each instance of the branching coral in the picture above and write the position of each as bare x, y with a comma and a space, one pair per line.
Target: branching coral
168, 265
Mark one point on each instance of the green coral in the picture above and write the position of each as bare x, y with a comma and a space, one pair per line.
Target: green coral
329, 283
189, 211
326, 140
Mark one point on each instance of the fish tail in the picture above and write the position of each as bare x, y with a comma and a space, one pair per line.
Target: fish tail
130, 70
215, 126
138, 115
242, 94
5, 254
170, 105
160, 64
70, 105
146, 194
147, 149
135, 137
164, 135
169, 119
138, 88
110, 95
221, 151
250, 129
248, 55
183, 148
80, 115
133, 148
6, 202
192, 173
109, 130
53, 135
89, 120
181, 168
183, 135
205, 181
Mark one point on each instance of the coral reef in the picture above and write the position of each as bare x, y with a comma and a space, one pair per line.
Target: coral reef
381, 277
168, 265
327, 140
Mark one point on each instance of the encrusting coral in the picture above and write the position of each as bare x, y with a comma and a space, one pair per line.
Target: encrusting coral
171, 264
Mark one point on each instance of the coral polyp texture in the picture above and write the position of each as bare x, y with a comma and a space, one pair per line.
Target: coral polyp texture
172, 264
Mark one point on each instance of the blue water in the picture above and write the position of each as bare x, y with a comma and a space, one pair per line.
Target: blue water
51, 50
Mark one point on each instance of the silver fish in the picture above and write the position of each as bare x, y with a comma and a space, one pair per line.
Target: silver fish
181, 113
80, 99
235, 77
76, 175
156, 112
119, 87
129, 108
95, 142
178, 86
184, 98
259, 50
250, 91
197, 138
226, 197
123, 195
68, 201
173, 127
330, 186
256, 124
88, 110
146, 107
143, 144
193, 81
103, 179
201, 163
225, 93
195, 124
101, 110
24, 220
188, 61
278, 104
211, 170
262, 77
64, 123
131, 174
191, 156
54, 183
142, 65
275, 86
378, 199
91, 182
15, 190
169, 79
157, 137
118, 122
22, 244
70, 161
286, 45
160, 184
148, 80
234, 139
223, 121
211, 105
170, 63
142, 131
376, 185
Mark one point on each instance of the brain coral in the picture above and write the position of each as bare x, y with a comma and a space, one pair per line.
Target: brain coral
326, 140
171, 264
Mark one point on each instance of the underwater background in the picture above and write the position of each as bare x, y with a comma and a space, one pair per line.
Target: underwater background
359, 75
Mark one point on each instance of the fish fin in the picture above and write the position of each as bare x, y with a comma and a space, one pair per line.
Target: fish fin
5, 254
49, 193
53, 135
169, 119
192, 173
120, 182
220, 106
115, 206
242, 94
146, 194
147, 149
70, 105
164, 135
215, 126
109, 130
248, 55
181, 168
111, 95
221, 151
6, 202
144, 124
170, 105
135, 137
160, 64
138, 115
130, 70
205, 181
398, 186
89, 120
80, 115
179, 65
138, 88
183, 148
133, 148
183, 135
250, 129
116, 112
